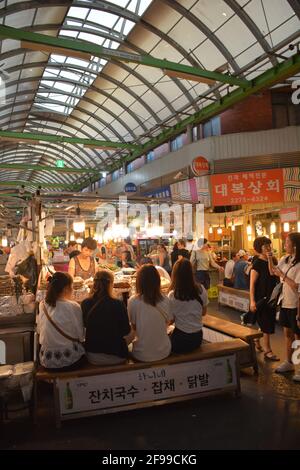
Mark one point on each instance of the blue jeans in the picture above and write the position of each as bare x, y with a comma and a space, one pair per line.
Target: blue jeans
202, 277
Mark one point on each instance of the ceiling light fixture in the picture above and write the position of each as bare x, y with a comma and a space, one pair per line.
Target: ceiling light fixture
79, 223
249, 228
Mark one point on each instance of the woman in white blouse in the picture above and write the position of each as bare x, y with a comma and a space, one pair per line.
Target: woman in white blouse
60, 326
188, 302
289, 272
149, 315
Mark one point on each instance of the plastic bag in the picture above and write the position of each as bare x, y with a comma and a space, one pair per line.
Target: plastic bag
28, 268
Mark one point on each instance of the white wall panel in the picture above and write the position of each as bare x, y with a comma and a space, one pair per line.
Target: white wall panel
213, 148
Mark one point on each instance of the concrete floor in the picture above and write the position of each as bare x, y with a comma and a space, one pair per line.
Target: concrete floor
267, 416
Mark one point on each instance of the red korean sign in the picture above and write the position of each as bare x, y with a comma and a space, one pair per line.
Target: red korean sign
253, 187
200, 166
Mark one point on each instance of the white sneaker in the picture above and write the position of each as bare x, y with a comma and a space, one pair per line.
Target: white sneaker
296, 377
286, 366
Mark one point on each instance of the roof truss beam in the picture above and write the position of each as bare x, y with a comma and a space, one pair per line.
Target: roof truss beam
24, 136
68, 46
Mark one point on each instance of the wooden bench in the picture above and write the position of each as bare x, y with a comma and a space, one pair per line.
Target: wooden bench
235, 298
94, 390
218, 330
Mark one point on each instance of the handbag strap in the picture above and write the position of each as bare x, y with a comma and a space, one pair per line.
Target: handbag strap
162, 312
76, 340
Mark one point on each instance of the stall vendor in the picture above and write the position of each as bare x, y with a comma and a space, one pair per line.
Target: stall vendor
84, 265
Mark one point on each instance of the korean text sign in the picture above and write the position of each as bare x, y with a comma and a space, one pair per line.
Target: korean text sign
251, 187
128, 387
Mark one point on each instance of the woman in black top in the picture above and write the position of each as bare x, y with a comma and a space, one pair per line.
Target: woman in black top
262, 283
106, 322
174, 254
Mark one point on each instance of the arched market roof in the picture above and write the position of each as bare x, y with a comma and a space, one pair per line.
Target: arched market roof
112, 100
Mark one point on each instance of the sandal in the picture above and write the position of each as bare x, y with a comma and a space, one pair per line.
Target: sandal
273, 357
258, 346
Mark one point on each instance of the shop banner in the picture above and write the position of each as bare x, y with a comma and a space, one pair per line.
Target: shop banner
165, 191
292, 184
195, 190
253, 187
148, 384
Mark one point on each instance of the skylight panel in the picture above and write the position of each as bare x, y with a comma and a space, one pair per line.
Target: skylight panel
91, 38
103, 17
143, 6
76, 81
72, 34
128, 27
78, 12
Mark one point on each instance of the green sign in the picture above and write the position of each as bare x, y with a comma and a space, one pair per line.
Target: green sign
60, 163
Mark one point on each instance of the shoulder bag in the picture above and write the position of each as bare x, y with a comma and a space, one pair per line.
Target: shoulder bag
274, 298
163, 313
75, 340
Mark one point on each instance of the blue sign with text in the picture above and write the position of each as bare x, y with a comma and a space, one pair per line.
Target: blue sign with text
130, 188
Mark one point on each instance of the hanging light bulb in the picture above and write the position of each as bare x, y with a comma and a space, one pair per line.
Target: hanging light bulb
72, 237
273, 227
4, 242
249, 228
232, 225
79, 223
298, 226
286, 227
210, 230
79, 240
249, 238
219, 230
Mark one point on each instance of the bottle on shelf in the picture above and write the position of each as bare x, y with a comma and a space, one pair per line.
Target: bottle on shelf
68, 397
229, 374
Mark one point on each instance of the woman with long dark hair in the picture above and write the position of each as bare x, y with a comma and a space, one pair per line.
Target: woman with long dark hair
262, 283
149, 316
60, 326
163, 257
106, 322
188, 302
289, 272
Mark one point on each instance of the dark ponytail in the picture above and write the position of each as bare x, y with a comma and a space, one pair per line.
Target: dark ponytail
57, 283
103, 282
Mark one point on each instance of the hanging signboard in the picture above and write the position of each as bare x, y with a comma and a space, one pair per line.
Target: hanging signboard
130, 188
107, 391
292, 184
288, 214
253, 187
200, 166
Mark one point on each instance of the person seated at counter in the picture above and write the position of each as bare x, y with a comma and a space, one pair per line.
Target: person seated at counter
127, 246
240, 278
84, 265
164, 258
161, 271
106, 322
182, 251
126, 260
60, 326
149, 314
188, 302
229, 267
72, 249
